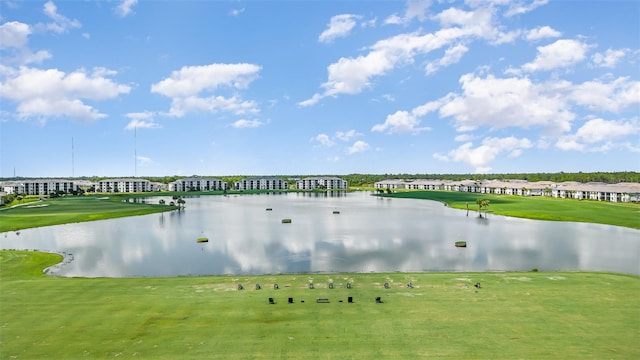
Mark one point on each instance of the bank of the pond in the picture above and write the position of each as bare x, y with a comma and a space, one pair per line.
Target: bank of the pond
535, 207
442, 315
70, 209
37, 211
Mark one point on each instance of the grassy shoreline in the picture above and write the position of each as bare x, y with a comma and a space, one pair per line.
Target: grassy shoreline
72, 209
513, 315
535, 208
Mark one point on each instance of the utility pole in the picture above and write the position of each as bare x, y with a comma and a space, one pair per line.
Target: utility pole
135, 152
72, 159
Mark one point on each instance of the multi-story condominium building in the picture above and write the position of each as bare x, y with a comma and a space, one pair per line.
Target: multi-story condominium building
621, 192
322, 182
261, 183
39, 186
198, 184
126, 186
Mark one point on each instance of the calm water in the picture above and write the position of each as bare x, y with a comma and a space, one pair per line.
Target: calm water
369, 234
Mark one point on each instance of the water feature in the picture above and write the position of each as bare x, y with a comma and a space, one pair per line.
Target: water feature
336, 232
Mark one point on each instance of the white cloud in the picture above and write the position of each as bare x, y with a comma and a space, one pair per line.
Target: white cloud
144, 160
347, 135
142, 124
14, 37
53, 93
236, 12
243, 123
190, 80
14, 34
598, 135
125, 7
339, 26
212, 104
358, 146
613, 96
542, 32
477, 23
521, 7
400, 122
464, 137
353, 75
609, 58
186, 85
506, 37
506, 102
562, 53
61, 24
324, 140
451, 56
482, 156
142, 120
394, 20
416, 9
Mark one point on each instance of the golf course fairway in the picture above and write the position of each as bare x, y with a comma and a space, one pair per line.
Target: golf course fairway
520, 315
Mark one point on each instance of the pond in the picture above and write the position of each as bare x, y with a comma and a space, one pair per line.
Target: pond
328, 233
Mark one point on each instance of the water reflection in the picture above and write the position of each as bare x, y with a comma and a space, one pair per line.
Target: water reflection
332, 232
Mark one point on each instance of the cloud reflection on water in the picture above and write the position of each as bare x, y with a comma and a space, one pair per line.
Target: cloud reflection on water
369, 234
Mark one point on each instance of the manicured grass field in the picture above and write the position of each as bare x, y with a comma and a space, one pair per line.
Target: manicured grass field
87, 208
72, 209
512, 316
538, 208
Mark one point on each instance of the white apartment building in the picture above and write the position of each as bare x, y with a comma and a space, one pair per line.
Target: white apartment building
321, 182
131, 185
39, 186
198, 184
621, 192
261, 183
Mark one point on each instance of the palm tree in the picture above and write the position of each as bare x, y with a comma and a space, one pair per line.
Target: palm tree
485, 205
482, 204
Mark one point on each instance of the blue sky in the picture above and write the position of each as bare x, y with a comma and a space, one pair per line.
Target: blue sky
154, 88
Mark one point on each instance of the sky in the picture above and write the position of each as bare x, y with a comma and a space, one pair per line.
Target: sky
222, 88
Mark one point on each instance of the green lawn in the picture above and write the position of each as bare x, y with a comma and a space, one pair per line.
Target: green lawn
70, 209
535, 207
513, 316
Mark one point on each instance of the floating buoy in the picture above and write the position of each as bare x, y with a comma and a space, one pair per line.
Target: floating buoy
203, 240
